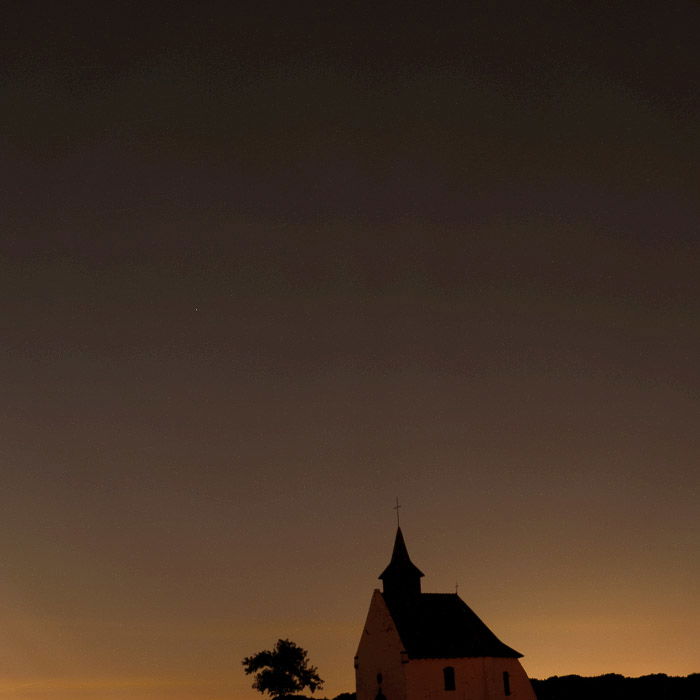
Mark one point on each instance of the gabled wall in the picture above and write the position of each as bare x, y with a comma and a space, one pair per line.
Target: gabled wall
475, 679
380, 652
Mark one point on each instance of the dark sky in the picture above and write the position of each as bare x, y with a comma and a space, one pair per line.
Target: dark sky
266, 266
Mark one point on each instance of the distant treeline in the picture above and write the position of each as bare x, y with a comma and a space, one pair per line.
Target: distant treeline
613, 686
342, 696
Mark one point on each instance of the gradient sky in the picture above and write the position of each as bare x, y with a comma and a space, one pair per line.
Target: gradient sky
267, 266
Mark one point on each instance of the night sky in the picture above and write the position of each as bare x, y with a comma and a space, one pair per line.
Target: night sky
264, 267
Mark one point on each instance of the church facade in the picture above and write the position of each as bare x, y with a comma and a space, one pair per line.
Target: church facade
431, 646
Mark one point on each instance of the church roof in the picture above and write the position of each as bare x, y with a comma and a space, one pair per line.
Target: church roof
442, 625
400, 565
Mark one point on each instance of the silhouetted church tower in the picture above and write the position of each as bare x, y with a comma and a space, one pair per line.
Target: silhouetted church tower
401, 578
430, 646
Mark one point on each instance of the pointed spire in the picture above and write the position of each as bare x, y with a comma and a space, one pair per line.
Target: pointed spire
401, 577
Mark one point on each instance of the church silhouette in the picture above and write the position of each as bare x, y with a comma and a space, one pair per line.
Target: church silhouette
430, 646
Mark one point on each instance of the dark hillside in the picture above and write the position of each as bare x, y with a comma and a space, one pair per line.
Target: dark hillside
613, 686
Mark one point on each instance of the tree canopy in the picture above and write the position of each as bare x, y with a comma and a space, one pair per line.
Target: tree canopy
283, 670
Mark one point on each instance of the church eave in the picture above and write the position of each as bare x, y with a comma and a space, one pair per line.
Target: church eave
418, 657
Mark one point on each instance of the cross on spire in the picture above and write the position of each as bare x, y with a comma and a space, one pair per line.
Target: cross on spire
396, 508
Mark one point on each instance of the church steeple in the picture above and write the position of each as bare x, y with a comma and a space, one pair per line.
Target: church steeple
401, 578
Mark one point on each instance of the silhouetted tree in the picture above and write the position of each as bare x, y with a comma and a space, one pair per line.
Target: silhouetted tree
283, 670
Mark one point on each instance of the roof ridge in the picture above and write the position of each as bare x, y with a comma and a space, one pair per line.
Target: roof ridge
442, 594
442, 625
